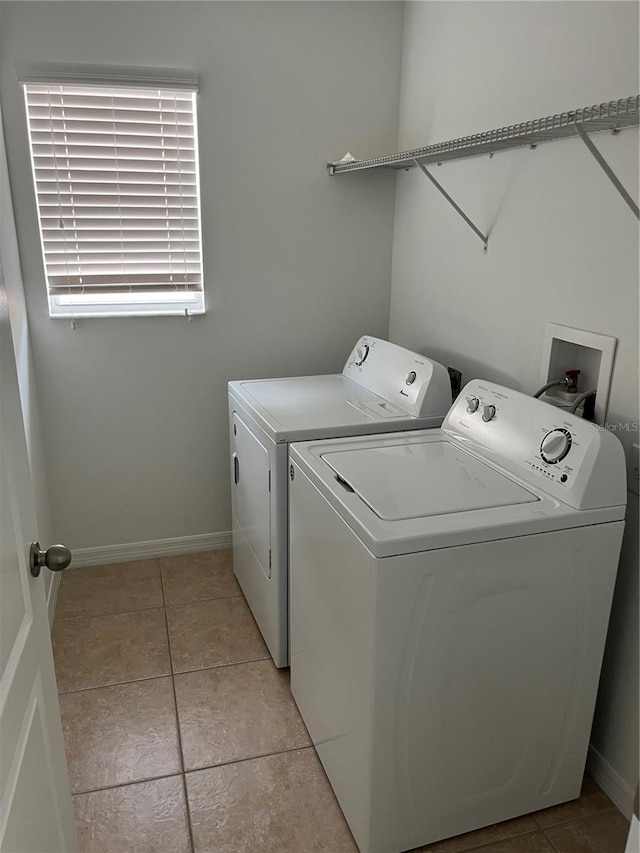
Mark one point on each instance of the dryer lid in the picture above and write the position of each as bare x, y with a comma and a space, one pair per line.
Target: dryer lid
416, 480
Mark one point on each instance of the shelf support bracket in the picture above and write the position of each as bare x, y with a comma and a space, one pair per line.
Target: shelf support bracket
584, 136
455, 206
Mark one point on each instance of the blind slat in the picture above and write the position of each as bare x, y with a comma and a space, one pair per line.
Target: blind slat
138, 288
93, 169
45, 94
106, 247
117, 188
167, 128
99, 226
49, 188
132, 281
144, 109
129, 190
145, 269
156, 207
95, 147
62, 141
89, 238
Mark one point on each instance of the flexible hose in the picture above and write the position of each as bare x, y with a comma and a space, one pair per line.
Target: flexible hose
580, 399
564, 381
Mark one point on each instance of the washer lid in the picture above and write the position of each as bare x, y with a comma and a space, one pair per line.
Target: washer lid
421, 479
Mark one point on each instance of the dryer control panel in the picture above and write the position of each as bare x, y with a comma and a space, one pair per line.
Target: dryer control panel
574, 460
412, 382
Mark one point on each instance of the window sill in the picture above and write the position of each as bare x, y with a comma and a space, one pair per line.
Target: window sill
86, 315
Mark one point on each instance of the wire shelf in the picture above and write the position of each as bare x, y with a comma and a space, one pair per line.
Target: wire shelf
612, 116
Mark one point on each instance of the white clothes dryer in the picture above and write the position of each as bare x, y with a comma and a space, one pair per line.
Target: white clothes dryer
382, 388
450, 596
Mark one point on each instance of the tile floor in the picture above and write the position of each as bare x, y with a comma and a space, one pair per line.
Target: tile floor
182, 736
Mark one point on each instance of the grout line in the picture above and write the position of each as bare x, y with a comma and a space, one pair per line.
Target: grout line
114, 683
573, 819
237, 663
127, 784
63, 619
221, 665
550, 840
179, 732
58, 621
250, 758
489, 845
203, 600
164, 599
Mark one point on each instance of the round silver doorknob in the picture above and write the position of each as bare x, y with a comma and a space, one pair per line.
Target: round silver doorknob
56, 558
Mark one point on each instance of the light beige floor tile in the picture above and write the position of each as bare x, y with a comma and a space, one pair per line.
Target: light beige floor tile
118, 734
105, 650
277, 804
193, 577
236, 712
604, 832
591, 800
115, 588
213, 633
472, 840
149, 817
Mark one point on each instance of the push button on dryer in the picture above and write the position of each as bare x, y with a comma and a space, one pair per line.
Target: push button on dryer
411, 378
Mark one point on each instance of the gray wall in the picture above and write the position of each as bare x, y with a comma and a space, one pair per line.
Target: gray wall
297, 266
563, 245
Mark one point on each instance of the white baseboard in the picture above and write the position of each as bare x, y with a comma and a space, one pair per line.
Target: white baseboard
52, 596
611, 782
146, 550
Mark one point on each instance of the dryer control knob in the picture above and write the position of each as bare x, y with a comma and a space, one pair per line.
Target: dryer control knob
361, 354
555, 445
488, 413
472, 404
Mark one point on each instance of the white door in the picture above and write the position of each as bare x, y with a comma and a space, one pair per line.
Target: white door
36, 814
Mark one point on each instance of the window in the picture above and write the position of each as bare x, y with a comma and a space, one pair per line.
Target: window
117, 186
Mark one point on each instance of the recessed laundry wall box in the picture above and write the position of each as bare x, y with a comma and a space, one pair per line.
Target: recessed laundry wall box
575, 349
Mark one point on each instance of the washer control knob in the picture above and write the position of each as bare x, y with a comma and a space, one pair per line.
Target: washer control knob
488, 413
555, 445
411, 377
472, 404
361, 354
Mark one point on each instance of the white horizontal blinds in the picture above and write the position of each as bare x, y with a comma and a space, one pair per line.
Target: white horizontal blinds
116, 178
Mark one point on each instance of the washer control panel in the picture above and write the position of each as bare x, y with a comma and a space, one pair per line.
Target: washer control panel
414, 383
545, 445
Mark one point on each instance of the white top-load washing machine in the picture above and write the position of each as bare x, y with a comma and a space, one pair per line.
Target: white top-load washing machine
383, 388
450, 595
